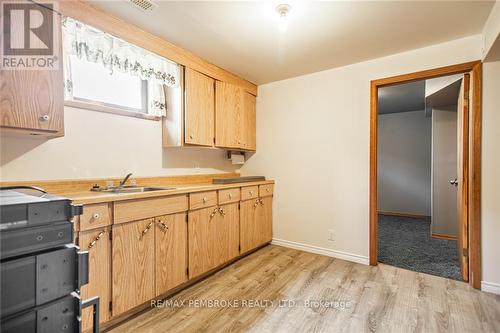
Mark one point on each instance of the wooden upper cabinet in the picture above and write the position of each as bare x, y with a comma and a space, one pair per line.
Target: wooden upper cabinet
228, 115
249, 122
199, 108
234, 117
32, 101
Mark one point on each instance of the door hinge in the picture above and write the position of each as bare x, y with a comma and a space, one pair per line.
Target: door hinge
110, 306
465, 252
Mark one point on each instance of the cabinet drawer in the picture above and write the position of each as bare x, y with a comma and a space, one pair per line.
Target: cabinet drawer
266, 190
249, 192
95, 216
202, 199
131, 210
229, 195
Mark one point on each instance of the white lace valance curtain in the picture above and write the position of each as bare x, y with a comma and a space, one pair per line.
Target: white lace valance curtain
94, 45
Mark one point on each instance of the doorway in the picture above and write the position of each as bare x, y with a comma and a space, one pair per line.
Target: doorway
468, 155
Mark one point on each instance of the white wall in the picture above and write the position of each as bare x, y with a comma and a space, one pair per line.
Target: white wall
438, 83
491, 33
103, 145
444, 168
490, 181
404, 163
313, 139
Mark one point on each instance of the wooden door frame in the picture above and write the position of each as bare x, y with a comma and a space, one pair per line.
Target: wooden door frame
474, 188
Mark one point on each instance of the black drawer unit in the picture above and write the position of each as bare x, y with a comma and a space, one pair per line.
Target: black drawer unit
21, 241
45, 277
60, 315
41, 270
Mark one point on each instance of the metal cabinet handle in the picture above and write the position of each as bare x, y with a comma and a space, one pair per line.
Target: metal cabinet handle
205, 199
454, 182
143, 233
214, 212
222, 212
230, 195
96, 216
256, 203
91, 245
163, 226
45, 117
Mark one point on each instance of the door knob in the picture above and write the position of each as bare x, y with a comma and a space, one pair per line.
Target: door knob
454, 182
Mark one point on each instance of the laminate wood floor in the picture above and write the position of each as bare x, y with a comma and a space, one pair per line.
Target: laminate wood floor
277, 289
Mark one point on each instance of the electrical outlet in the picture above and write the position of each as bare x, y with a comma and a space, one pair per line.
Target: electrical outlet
331, 234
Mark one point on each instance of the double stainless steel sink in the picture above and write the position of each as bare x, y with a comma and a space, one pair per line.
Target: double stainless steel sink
122, 188
132, 189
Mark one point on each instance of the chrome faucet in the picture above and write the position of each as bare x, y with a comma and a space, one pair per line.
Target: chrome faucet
122, 183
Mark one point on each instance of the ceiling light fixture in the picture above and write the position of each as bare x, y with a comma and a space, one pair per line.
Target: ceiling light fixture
283, 11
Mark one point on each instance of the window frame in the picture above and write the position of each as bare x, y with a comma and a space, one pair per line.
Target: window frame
94, 105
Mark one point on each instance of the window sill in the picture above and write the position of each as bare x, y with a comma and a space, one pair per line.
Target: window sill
108, 109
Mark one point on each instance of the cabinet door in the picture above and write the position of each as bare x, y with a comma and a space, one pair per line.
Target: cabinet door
265, 220
171, 252
227, 233
249, 122
248, 226
34, 99
201, 231
199, 108
228, 115
133, 264
98, 244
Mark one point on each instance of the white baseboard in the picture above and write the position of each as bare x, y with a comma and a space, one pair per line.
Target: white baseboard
321, 250
490, 287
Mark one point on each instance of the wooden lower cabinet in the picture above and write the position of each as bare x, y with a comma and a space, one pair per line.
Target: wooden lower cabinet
133, 264
202, 234
227, 233
265, 219
98, 244
255, 223
213, 237
171, 252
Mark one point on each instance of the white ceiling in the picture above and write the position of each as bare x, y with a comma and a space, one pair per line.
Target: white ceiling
243, 36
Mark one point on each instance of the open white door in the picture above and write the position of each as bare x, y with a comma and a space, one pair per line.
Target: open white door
463, 106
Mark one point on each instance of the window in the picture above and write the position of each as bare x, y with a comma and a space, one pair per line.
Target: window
108, 74
91, 83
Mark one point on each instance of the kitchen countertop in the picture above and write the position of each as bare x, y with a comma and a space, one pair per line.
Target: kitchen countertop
89, 197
